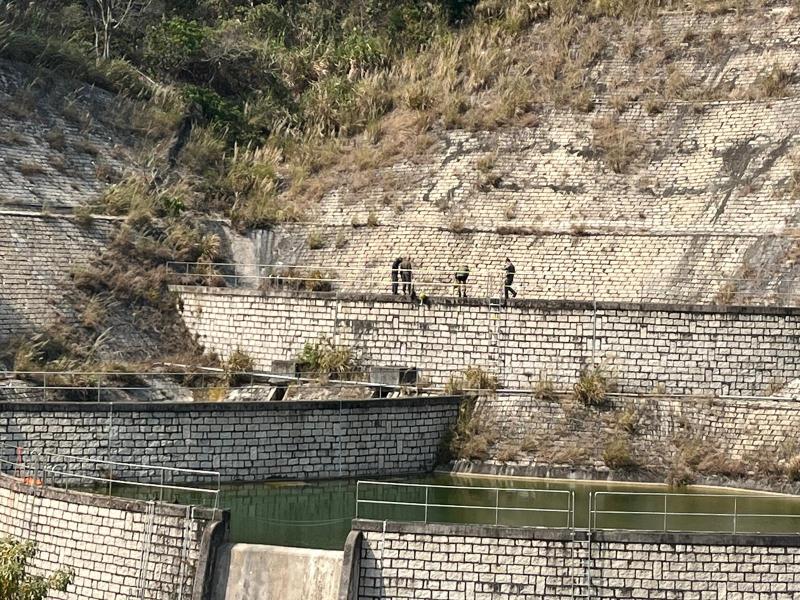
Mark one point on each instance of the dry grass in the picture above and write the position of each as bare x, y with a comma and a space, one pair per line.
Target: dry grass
30, 169
12, 138
619, 145
544, 389
56, 139
617, 454
592, 387
773, 84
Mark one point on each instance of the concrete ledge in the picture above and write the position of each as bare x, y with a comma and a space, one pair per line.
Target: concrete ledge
516, 304
289, 405
215, 535
565, 535
351, 559
113, 502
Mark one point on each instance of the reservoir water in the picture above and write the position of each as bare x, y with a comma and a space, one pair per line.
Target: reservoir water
318, 514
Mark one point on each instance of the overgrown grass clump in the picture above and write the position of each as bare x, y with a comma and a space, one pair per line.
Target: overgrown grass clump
592, 387
326, 359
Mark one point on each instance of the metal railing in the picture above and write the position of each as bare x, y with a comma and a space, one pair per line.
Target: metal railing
55, 470
534, 284
197, 381
517, 507
694, 513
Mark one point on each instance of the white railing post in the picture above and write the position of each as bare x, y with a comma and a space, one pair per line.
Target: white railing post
427, 489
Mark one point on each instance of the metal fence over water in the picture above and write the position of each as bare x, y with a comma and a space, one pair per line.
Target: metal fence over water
39, 468
556, 509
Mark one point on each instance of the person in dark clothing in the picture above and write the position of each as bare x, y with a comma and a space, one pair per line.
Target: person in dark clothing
461, 281
396, 274
509, 279
405, 275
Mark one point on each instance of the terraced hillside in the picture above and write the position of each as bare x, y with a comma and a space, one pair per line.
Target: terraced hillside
680, 182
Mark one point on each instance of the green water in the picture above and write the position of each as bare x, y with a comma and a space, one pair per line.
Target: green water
318, 515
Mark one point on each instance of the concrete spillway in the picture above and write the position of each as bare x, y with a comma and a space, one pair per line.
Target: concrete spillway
256, 572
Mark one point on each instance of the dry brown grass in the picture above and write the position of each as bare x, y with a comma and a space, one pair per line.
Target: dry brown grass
30, 169
618, 144
773, 84
12, 138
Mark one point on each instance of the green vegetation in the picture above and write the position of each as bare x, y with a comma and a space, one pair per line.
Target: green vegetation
471, 437
16, 583
237, 368
592, 387
473, 381
617, 454
326, 359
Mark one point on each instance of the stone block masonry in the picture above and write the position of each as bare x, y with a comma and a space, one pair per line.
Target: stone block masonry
243, 441
121, 549
37, 254
742, 429
465, 562
687, 349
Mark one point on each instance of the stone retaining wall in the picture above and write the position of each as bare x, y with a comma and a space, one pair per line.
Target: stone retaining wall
686, 349
460, 562
115, 547
741, 429
244, 441
37, 254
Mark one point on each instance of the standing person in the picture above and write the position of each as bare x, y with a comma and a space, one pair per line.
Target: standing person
461, 280
509, 278
396, 274
405, 275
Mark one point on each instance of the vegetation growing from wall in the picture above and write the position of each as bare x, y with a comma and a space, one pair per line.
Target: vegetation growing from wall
256, 109
17, 583
325, 359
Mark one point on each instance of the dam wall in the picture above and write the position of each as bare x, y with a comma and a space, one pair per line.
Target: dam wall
244, 441
680, 348
260, 572
116, 548
453, 562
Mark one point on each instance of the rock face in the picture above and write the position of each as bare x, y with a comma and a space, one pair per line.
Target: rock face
61, 143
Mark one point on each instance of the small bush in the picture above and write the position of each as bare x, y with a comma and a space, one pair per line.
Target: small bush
471, 437
326, 359
544, 389
617, 454
618, 144
83, 215
628, 420
793, 468
237, 368
56, 139
86, 147
592, 387
30, 169
774, 84
316, 241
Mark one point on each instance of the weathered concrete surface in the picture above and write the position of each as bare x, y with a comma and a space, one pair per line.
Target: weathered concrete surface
256, 572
